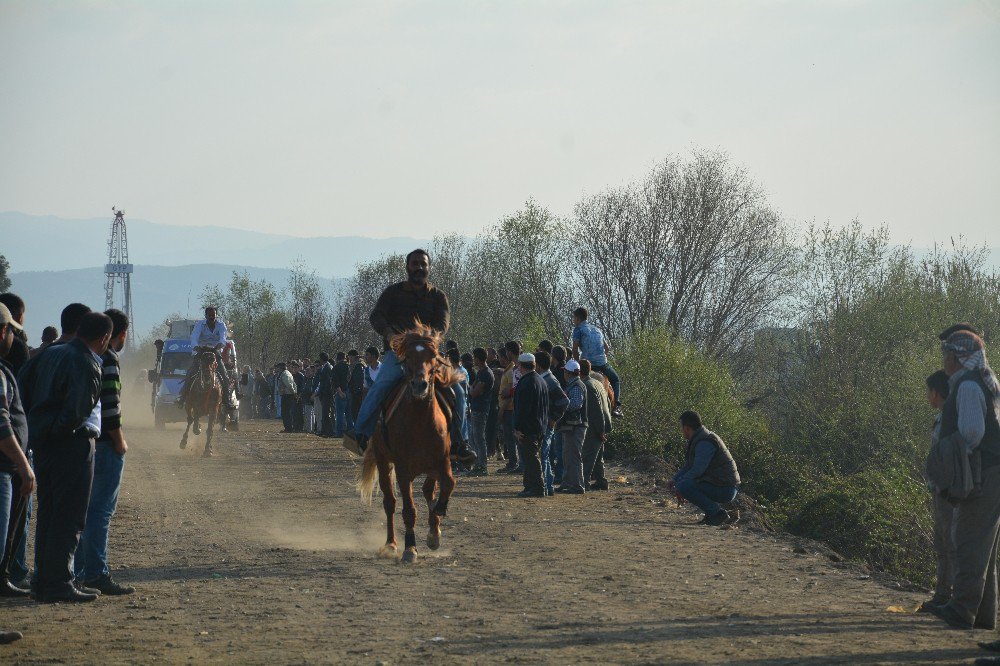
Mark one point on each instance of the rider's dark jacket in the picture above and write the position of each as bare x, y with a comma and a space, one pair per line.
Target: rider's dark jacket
401, 305
59, 389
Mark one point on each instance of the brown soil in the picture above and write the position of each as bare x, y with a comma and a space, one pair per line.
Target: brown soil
265, 554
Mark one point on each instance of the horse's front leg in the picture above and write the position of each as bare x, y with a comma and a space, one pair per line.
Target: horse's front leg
447, 486
184, 437
389, 504
208, 436
409, 519
433, 519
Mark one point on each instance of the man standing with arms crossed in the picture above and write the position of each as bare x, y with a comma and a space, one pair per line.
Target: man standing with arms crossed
61, 392
398, 309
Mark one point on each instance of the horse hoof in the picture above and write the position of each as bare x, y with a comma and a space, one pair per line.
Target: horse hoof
184, 443
434, 539
196, 430
207, 454
388, 551
410, 556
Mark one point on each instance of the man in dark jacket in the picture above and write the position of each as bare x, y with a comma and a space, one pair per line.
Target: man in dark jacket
341, 390
398, 309
709, 475
301, 397
558, 401
530, 421
323, 389
16, 477
355, 386
61, 390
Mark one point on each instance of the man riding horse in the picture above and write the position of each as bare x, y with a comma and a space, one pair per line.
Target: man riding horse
209, 335
398, 310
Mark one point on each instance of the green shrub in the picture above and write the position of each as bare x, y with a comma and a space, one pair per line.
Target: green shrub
876, 516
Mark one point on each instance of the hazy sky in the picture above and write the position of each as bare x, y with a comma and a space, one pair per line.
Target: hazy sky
379, 118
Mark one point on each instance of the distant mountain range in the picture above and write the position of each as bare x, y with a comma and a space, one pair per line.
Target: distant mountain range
157, 291
47, 243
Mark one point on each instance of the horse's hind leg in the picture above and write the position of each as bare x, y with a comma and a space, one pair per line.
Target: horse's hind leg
184, 438
389, 504
447, 486
409, 519
434, 520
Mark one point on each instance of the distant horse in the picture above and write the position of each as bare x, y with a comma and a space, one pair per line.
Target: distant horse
203, 399
412, 438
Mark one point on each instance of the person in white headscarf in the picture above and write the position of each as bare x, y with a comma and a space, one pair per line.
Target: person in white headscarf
971, 414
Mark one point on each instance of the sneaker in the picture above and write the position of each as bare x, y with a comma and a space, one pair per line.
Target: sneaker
598, 485
715, 519
617, 412
107, 585
10, 636
531, 493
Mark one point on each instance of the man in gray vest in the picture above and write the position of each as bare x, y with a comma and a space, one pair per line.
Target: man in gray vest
709, 475
970, 413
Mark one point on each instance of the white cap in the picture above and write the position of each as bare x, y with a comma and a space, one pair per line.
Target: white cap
572, 365
526, 358
7, 318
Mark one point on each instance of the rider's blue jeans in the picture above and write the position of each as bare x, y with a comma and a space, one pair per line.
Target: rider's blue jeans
389, 374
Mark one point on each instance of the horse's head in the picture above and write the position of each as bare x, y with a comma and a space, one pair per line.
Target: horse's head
417, 351
208, 361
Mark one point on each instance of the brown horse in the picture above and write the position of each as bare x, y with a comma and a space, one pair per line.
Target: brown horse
203, 399
414, 441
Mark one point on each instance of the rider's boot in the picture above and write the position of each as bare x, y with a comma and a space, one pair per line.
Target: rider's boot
460, 450
355, 442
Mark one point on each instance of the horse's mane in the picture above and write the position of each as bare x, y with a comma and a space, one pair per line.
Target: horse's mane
430, 339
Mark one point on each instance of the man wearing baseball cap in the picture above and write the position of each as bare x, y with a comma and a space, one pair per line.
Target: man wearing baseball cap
573, 426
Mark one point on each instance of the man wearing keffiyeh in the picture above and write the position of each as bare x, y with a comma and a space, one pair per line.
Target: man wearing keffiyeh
971, 414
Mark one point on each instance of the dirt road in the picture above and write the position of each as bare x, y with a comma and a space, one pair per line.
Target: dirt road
265, 554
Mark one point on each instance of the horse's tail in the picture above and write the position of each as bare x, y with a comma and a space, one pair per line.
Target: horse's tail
369, 475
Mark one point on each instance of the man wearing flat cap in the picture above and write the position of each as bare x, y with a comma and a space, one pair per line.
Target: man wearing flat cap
531, 419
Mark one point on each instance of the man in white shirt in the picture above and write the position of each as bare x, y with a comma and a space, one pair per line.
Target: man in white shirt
209, 334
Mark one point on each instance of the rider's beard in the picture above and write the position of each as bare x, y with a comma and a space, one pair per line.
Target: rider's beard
418, 276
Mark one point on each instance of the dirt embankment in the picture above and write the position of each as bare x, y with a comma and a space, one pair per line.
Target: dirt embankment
265, 554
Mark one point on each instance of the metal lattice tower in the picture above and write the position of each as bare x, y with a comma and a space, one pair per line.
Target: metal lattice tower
118, 271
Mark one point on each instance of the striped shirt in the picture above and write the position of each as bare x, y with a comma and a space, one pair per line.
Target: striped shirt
111, 390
